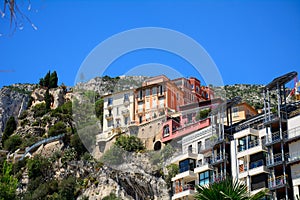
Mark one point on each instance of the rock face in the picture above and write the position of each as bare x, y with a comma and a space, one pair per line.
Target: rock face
13, 101
58, 96
136, 179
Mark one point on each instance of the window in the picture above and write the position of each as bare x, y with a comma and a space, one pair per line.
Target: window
242, 144
204, 178
192, 86
126, 120
160, 89
197, 89
117, 110
147, 92
186, 165
199, 146
126, 97
140, 119
109, 101
166, 131
235, 112
190, 148
140, 94
110, 123
148, 104
154, 90
147, 116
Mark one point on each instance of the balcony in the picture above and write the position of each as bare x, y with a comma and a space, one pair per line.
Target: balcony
185, 154
278, 182
293, 157
125, 113
188, 176
109, 105
205, 166
187, 190
218, 178
257, 186
219, 158
140, 110
181, 131
246, 132
273, 138
257, 167
253, 147
275, 160
292, 134
227, 138
126, 102
109, 117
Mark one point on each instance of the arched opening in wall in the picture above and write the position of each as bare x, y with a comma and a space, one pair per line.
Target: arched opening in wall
157, 146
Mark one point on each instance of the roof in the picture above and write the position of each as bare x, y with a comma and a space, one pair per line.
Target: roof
281, 80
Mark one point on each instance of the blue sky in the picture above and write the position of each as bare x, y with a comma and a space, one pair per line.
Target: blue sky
249, 41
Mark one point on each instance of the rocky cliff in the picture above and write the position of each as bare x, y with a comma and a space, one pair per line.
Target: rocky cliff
13, 101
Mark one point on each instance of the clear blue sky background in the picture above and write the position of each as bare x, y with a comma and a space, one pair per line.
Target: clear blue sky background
250, 41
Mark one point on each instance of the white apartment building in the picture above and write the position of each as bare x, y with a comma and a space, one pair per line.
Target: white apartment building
117, 114
194, 167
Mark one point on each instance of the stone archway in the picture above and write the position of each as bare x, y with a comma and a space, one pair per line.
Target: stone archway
157, 146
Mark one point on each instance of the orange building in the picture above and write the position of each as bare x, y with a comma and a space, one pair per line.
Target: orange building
156, 97
192, 89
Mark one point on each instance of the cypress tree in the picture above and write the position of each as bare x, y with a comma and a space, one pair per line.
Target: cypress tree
47, 79
10, 127
53, 80
47, 99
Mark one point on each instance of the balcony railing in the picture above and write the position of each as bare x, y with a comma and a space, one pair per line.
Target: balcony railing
218, 178
218, 158
109, 116
293, 157
275, 160
125, 112
256, 164
273, 138
180, 188
277, 182
292, 133
251, 144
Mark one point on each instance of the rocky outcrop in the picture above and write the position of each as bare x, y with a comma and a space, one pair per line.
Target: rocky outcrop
58, 96
13, 101
104, 85
136, 179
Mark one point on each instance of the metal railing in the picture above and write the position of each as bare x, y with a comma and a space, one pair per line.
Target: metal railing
251, 144
39, 143
294, 156
274, 137
277, 181
218, 158
292, 133
276, 159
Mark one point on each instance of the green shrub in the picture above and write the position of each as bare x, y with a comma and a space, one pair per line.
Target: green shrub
37, 166
39, 110
69, 155
114, 156
203, 114
10, 127
12, 143
173, 169
111, 196
77, 144
130, 143
8, 183
57, 129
